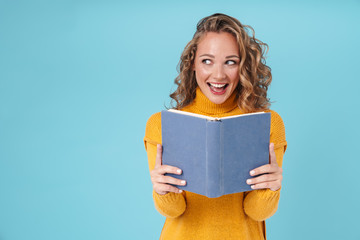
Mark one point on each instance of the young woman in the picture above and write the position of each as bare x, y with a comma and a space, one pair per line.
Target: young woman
222, 73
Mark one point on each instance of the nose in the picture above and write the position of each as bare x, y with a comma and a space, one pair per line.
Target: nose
219, 72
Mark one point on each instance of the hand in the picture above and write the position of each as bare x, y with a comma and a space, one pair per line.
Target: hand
273, 177
161, 183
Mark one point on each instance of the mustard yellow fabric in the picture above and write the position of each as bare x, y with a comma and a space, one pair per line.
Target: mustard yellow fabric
234, 216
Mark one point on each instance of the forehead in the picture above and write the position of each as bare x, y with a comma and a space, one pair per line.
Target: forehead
218, 43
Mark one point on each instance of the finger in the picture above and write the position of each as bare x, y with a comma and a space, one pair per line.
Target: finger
158, 160
265, 178
169, 180
267, 168
272, 154
273, 185
165, 188
168, 169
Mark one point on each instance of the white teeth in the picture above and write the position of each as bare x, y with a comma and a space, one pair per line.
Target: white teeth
217, 85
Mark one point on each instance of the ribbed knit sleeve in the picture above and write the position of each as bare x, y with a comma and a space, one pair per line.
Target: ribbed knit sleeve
153, 132
171, 204
277, 132
262, 204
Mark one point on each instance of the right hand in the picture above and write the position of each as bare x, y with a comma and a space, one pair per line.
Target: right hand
161, 183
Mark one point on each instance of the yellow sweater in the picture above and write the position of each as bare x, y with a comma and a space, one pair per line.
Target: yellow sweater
234, 216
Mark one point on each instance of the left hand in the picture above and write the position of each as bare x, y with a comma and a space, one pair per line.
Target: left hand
273, 177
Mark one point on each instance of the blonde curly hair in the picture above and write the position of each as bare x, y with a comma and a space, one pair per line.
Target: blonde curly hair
255, 75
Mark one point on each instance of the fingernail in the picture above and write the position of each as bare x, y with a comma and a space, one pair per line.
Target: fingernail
252, 172
180, 191
252, 186
183, 182
178, 171
248, 181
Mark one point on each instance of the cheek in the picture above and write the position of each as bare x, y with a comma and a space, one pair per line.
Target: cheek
201, 75
234, 75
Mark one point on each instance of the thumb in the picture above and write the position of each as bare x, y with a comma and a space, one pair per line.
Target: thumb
158, 160
272, 154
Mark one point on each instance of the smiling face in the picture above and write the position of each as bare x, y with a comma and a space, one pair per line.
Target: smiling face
216, 66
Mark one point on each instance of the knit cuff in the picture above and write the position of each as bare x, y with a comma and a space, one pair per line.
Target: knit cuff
167, 198
261, 204
267, 194
170, 204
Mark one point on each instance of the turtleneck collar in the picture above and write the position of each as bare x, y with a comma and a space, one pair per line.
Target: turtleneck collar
202, 104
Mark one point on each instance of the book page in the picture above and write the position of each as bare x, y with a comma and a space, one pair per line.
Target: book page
192, 114
242, 115
211, 118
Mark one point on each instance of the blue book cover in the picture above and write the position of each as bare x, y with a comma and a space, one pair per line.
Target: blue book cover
215, 154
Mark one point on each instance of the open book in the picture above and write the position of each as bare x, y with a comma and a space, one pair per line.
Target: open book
215, 154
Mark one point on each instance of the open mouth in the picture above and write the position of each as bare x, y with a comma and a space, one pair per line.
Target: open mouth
218, 88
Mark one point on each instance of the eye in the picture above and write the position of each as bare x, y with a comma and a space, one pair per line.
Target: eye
206, 61
230, 62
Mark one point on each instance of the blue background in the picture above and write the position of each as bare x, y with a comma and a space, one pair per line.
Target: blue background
79, 79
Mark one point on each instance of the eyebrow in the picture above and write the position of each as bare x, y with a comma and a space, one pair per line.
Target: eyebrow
233, 56
212, 56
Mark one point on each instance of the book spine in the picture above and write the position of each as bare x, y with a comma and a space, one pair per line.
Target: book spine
213, 159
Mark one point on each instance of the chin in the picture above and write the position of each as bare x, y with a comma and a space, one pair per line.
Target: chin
218, 100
